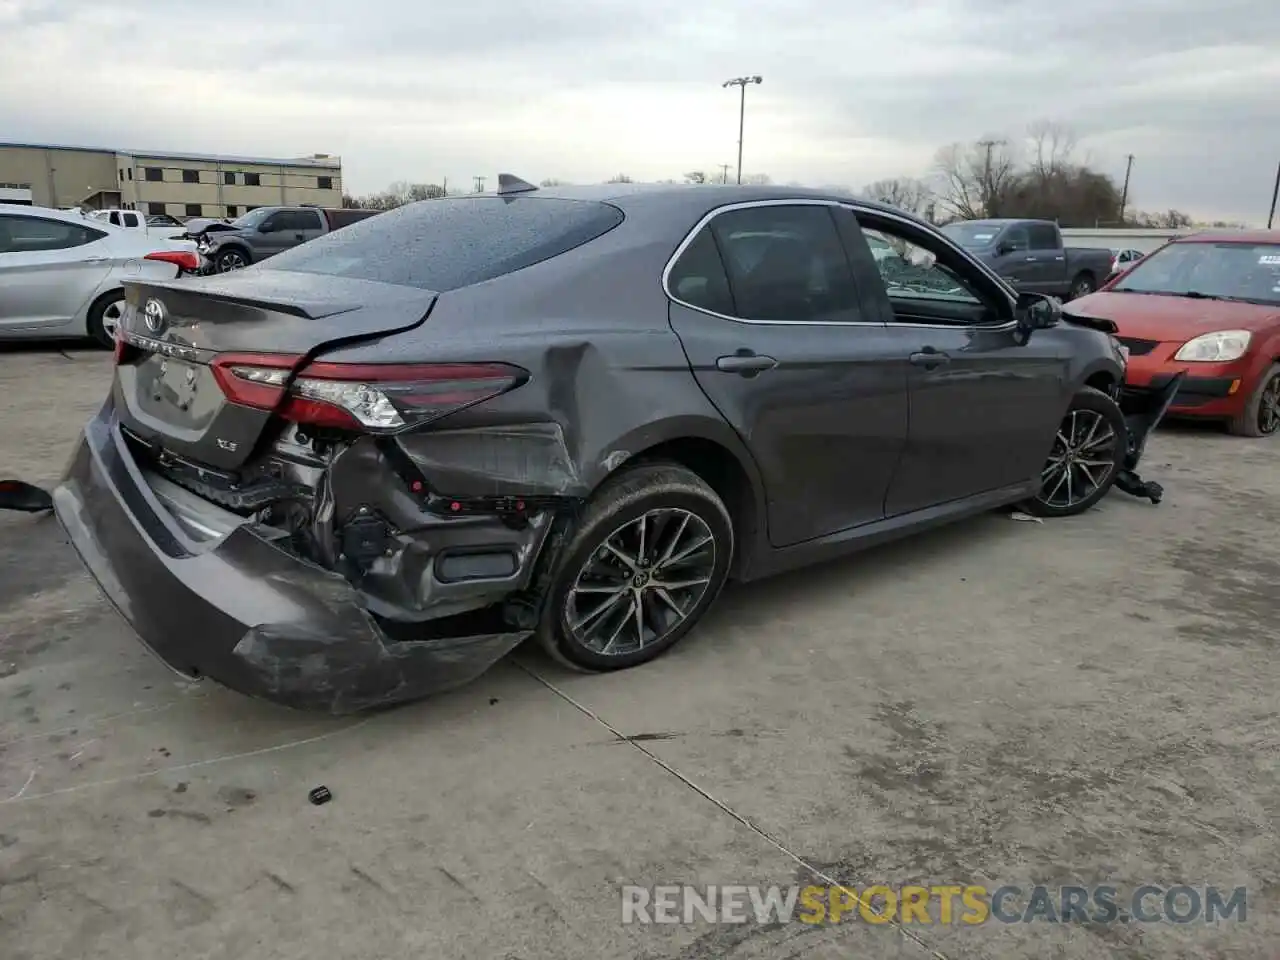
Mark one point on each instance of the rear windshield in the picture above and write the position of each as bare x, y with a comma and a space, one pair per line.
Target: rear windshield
444, 244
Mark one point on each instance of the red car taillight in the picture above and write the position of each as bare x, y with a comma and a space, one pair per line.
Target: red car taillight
370, 397
183, 259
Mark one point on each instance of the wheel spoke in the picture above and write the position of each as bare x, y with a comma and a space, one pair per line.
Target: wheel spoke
617, 631
681, 584
644, 523
628, 560
1070, 498
594, 617
638, 606
1089, 476
662, 594
673, 543
686, 552
1098, 442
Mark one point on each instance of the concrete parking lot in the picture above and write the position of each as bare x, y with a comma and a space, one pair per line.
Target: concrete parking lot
1082, 702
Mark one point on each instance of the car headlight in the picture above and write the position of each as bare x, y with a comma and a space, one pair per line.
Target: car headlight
1220, 346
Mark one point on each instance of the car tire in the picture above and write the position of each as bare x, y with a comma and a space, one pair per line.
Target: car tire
228, 260
1091, 439
676, 510
1252, 421
1083, 285
103, 316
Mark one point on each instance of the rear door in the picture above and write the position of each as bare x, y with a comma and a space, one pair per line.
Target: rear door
982, 406
48, 269
275, 235
764, 302
1049, 264
308, 224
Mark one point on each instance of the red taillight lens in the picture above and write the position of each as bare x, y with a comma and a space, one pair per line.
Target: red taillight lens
372, 397
183, 259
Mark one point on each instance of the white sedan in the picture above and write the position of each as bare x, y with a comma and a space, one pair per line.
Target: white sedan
62, 273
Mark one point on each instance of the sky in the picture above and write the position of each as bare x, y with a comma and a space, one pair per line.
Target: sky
581, 91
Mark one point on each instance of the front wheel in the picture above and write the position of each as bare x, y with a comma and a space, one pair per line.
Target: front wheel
104, 318
649, 558
1261, 415
1087, 455
229, 260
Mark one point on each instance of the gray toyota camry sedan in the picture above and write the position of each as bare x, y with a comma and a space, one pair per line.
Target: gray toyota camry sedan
367, 468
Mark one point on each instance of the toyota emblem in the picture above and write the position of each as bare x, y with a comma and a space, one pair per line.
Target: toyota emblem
154, 315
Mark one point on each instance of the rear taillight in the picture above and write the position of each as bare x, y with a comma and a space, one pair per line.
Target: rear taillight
183, 259
370, 397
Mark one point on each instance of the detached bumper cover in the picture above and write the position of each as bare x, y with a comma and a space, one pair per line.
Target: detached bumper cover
240, 610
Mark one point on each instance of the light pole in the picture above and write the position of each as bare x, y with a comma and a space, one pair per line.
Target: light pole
741, 84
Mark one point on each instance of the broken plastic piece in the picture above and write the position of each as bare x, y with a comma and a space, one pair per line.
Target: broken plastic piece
1025, 517
16, 495
320, 795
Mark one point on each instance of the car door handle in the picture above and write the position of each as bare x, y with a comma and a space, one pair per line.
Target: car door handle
1031, 259
95, 259
929, 358
1059, 258
746, 364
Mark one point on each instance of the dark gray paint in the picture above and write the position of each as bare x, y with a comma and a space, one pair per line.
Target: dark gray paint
845, 443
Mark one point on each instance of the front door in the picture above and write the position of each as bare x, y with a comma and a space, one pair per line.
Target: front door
1014, 260
764, 302
982, 406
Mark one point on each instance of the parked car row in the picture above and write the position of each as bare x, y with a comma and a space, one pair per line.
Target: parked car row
266, 231
62, 273
371, 465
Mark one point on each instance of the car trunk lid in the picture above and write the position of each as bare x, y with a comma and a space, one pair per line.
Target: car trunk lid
178, 338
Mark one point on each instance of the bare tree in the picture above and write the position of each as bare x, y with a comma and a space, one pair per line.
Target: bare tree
553, 182
757, 179
695, 176
1050, 147
396, 195
977, 178
905, 193
619, 178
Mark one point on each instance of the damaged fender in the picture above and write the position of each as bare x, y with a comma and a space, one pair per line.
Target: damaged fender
1142, 414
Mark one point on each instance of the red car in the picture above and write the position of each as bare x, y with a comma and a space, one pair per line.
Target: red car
1209, 305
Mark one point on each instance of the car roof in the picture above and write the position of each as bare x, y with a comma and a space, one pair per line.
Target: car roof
707, 196
47, 212
1232, 236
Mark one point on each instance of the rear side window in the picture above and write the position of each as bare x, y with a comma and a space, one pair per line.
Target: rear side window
1043, 236
698, 278
442, 245
786, 264
35, 235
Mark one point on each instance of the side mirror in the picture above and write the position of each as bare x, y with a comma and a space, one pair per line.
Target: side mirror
267, 227
1036, 311
1004, 247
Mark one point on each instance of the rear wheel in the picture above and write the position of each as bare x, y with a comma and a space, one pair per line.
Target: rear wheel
1087, 455
104, 318
1261, 415
1083, 285
647, 561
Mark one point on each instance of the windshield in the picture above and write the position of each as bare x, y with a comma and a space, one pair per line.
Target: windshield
1226, 271
252, 218
974, 234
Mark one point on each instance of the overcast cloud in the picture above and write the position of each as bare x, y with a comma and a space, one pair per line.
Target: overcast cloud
583, 90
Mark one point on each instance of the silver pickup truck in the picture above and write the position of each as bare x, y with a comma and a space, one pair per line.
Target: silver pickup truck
1029, 254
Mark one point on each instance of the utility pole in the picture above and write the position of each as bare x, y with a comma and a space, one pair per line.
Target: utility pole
1124, 193
444, 187
741, 84
724, 173
1275, 192
480, 184
988, 188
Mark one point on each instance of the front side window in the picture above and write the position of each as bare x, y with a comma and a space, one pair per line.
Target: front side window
1205, 270
1015, 238
37, 235
786, 264
911, 272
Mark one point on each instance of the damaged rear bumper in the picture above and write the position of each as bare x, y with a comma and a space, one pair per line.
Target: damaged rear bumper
232, 604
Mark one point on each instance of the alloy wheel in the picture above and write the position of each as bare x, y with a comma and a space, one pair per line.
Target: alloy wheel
642, 582
111, 318
230, 261
1269, 407
1081, 460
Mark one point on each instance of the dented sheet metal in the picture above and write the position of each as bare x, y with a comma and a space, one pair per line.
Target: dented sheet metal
529, 459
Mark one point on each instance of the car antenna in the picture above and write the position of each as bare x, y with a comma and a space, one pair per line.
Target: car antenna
510, 183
